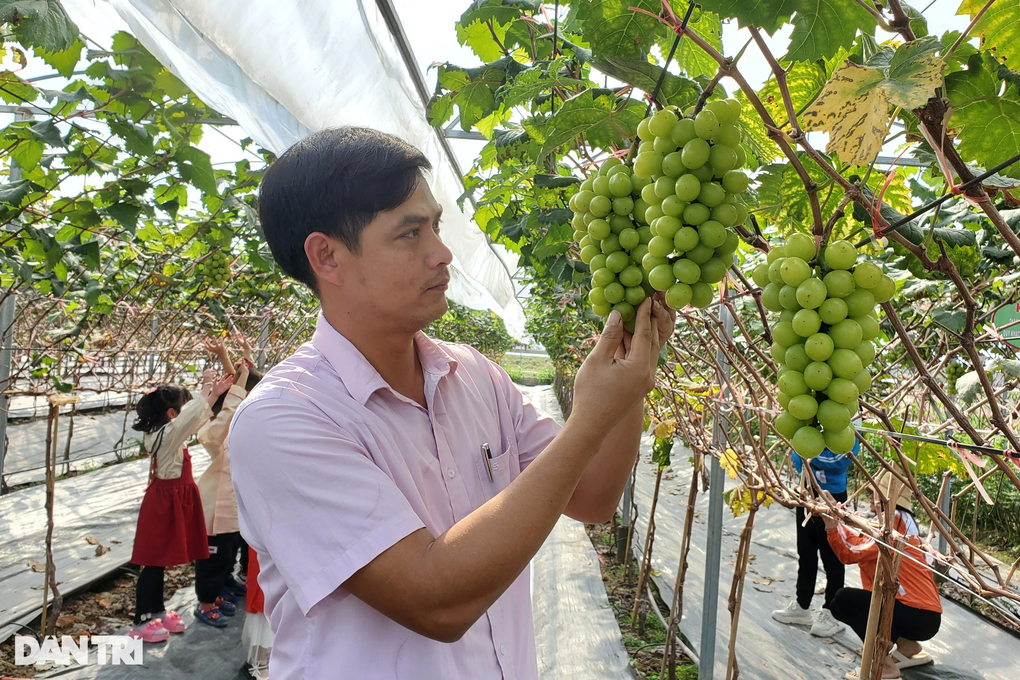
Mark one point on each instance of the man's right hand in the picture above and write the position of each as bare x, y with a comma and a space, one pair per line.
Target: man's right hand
614, 377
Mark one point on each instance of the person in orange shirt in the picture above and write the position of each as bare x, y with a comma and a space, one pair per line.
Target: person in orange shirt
918, 611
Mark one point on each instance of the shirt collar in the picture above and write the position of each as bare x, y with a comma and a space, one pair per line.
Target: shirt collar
359, 376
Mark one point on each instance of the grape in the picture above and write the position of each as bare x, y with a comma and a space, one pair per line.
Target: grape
884, 289
729, 246
649, 196
678, 295
661, 278
863, 381
588, 252
844, 391
840, 255
840, 441
811, 293
704, 173
663, 145
833, 415
846, 334
600, 185
788, 298
783, 333
646, 165
629, 238
869, 326
787, 425
597, 296
667, 226
776, 272
701, 253
770, 298
687, 188
776, 253
808, 442
832, 311
686, 239
631, 276
819, 347
722, 159
597, 262
817, 375
701, 294
582, 199
730, 136
760, 275
778, 352
696, 213
660, 246
614, 292
845, 364
614, 166
712, 234
721, 110
806, 323
867, 275
617, 261
860, 302
735, 182
599, 229
602, 310
706, 124
713, 271
726, 214
797, 358
787, 315
783, 400
672, 165
866, 351
672, 206
683, 132
661, 124
686, 271
793, 270
626, 310
600, 206
839, 284
586, 184
623, 205
802, 246
711, 194
650, 262
802, 407
610, 244
603, 277
695, 153
634, 295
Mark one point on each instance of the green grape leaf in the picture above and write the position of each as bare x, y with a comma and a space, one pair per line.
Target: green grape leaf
820, 27
954, 319
14, 90
677, 90
612, 29
501, 11
533, 82
987, 124
474, 89
479, 38
544, 181
196, 168
64, 60
602, 120
692, 60
804, 80
40, 23
998, 28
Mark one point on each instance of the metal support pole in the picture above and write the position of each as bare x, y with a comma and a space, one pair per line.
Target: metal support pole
623, 530
7, 314
713, 547
946, 507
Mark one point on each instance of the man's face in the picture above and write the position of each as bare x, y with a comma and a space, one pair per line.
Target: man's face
399, 277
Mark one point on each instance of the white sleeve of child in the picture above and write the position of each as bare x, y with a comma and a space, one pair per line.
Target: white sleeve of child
177, 433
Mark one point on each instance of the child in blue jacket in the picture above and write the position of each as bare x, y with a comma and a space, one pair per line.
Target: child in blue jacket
812, 541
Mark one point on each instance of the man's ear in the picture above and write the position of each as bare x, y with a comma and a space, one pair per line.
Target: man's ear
323, 253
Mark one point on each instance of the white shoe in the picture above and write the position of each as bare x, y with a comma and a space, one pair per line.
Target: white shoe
825, 625
793, 614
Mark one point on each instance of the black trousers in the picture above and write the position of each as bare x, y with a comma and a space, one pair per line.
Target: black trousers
813, 541
851, 606
149, 593
211, 573
244, 556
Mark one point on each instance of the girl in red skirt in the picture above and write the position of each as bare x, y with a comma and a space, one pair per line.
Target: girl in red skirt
171, 525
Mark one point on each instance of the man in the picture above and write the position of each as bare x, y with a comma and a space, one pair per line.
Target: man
395, 488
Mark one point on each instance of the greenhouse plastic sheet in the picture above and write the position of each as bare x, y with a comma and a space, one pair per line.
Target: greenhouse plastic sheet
102, 505
968, 647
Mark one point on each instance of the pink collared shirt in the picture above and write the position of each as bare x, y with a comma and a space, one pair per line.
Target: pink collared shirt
331, 467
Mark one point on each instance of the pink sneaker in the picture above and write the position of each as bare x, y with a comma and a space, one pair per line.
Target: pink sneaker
153, 631
172, 622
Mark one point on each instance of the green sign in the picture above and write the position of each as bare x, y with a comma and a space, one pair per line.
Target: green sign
1006, 315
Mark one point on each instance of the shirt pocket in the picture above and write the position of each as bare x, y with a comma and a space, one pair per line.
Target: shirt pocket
505, 468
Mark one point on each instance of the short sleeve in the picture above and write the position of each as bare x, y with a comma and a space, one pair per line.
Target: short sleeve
534, 428
311, 497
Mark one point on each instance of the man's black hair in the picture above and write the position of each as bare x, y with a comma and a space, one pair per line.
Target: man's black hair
334, 181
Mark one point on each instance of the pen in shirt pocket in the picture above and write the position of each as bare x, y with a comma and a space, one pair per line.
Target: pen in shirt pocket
487, 457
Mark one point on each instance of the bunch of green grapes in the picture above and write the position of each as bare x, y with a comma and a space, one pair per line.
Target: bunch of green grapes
953, 373
823, 338
664, 224
215, 269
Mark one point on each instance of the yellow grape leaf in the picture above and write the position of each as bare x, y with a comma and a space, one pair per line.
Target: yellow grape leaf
730, 463
854, 110
854, 105
665, 429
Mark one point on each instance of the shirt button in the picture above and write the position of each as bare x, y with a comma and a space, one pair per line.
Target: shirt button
502, 649
451, 473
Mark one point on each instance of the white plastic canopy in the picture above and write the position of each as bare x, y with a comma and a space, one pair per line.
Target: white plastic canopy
285, 68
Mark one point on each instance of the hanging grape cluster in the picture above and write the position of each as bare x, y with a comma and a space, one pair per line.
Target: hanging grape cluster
953, 373
823, 339
665, 224
215, 269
